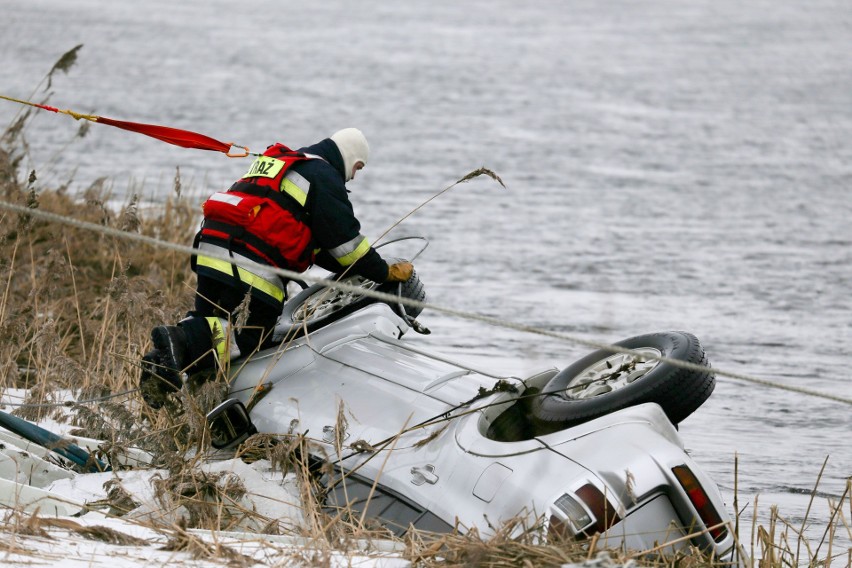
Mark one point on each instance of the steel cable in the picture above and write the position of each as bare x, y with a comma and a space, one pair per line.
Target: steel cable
392, 298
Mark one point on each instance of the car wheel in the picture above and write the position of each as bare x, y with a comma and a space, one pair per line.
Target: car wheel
318, 305
603, 382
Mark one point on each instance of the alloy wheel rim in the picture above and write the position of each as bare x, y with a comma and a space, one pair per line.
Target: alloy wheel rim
612, 373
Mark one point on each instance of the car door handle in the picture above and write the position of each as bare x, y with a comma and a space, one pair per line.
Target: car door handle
425, 474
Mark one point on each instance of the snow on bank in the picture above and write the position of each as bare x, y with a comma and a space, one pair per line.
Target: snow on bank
150, 534
126, 518
96, 540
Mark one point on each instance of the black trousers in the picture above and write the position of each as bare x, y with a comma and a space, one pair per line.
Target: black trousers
215, 298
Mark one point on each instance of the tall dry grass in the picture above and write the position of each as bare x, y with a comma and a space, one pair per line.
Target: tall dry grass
76, 308
77, 305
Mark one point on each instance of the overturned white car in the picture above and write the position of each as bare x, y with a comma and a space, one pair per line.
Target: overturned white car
423, 441
419, 440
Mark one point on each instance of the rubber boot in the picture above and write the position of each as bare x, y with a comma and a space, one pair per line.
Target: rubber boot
170, 341
154, 387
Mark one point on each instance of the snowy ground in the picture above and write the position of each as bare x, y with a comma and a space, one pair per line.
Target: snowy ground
135, 539
53, 515
98, 540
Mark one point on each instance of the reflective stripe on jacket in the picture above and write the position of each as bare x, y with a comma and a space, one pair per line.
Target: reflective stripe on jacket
255, 277
347, 253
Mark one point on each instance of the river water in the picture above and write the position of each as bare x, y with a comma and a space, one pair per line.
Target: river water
668, 165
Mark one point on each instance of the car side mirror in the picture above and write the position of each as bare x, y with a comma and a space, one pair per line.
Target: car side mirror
230, 424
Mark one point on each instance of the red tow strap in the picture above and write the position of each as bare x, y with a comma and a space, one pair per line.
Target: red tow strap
176, 136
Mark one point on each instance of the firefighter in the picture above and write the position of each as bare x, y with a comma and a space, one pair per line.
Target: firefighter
290, 210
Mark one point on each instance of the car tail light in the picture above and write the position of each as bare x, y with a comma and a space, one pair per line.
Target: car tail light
601, 508
701, 501
588, 510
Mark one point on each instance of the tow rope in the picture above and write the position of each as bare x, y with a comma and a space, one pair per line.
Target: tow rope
176, 136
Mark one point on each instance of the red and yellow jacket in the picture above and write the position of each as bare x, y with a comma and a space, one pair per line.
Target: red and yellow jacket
290, 210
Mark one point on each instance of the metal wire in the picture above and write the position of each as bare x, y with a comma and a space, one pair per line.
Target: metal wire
68, 403
393, 298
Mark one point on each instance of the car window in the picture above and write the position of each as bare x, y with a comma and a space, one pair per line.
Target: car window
390, 510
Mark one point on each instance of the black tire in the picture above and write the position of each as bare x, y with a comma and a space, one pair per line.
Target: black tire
331, 305
603, 382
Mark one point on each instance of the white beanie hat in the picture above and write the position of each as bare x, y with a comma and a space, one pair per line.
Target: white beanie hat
353, 148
